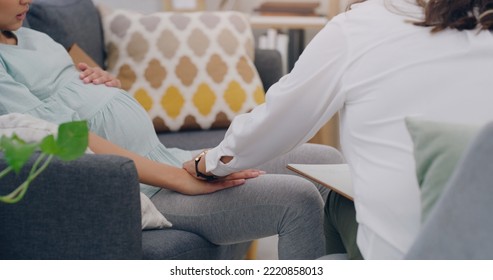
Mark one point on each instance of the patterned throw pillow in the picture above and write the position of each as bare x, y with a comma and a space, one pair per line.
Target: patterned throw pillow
188, 70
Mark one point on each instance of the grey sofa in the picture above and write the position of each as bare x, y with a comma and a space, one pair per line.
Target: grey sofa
90, 208
85, 209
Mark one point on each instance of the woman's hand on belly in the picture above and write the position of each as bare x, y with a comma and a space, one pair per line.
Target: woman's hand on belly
97, 76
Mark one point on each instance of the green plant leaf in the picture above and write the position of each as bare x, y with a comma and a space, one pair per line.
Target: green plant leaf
16, 151
17, 194
48, 145
72, 141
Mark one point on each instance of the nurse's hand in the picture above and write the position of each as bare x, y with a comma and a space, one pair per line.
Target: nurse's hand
97, 76
189, 166
190, 185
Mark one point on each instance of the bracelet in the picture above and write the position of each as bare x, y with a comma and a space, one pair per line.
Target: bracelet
200, 174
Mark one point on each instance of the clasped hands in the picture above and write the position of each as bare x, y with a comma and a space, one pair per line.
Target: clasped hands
231, 180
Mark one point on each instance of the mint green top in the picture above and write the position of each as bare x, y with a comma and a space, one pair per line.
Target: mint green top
37, 77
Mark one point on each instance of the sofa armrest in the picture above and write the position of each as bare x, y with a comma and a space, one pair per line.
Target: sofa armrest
84, 209
269, 66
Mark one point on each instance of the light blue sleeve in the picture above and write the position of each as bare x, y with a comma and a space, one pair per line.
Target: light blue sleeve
17, 98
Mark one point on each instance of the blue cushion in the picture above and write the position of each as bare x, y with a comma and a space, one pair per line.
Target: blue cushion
69, 22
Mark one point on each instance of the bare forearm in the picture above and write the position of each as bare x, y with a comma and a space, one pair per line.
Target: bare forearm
167, 176
150, 172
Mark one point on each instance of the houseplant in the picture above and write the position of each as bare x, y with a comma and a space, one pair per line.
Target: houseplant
71, 143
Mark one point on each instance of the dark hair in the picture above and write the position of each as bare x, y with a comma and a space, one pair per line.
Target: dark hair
455, 14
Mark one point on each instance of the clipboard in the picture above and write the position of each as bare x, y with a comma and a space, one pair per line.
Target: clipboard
336, 177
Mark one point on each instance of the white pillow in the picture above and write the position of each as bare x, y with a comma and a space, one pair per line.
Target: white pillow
151, 217
31, 129
28, 128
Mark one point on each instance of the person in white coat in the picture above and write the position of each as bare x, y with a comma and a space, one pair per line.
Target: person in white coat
376, 64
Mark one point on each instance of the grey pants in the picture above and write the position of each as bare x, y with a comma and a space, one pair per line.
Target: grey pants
340, 227
276, 203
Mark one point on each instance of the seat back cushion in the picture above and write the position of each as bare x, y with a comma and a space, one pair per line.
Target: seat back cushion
69, 22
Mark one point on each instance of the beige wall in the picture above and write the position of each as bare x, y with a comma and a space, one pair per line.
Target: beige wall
148, 6
248, 6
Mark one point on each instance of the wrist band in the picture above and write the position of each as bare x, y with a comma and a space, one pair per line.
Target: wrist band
200, 174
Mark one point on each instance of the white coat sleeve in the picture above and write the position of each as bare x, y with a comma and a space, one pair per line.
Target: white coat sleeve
296, 107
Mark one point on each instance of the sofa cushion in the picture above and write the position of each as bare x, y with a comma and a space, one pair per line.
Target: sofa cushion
69, 22
192, 139
188, 70
437, 149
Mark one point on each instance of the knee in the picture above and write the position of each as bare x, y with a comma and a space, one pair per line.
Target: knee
306, 197
290, 192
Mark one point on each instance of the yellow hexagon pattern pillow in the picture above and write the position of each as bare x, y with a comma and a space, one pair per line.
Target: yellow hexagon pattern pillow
188, 70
